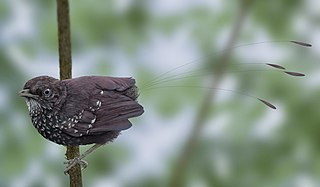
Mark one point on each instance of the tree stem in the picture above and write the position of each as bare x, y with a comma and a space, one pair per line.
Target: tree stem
65, 62
179, 170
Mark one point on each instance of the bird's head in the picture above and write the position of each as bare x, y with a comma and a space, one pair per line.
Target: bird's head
43, 93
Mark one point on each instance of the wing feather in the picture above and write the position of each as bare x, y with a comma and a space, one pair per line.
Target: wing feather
104, 107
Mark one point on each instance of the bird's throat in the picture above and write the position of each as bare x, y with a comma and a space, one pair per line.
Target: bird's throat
33, 106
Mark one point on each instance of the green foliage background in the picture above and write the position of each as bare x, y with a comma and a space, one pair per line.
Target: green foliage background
242, 144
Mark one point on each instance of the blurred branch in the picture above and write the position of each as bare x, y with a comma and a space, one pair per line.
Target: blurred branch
180, 168
65, 62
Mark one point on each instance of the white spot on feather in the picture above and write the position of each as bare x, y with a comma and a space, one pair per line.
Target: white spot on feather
94, 120
98, 104
101, 92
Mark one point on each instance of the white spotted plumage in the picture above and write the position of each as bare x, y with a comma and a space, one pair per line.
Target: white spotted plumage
70, 113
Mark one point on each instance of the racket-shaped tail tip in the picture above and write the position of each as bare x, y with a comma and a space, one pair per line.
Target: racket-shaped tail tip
295, 74
301, 43
277, 66
268, 104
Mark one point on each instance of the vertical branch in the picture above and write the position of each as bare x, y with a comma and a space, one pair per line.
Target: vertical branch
180, 168
64, 39
65, 62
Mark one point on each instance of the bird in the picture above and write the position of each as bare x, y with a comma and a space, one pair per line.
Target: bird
81, 111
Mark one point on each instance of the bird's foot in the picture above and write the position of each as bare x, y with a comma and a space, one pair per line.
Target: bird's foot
72, 162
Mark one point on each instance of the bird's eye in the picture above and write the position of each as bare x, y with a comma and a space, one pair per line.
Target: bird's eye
47, 92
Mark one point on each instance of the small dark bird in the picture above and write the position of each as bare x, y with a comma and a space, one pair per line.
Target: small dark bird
81, 111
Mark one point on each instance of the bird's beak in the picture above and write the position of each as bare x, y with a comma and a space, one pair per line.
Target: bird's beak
26, 93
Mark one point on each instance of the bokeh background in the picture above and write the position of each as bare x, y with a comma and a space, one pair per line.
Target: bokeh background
191, 134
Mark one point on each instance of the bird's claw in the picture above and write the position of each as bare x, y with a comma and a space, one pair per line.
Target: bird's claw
72, 162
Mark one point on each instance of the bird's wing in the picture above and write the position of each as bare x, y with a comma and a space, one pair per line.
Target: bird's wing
102, 109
